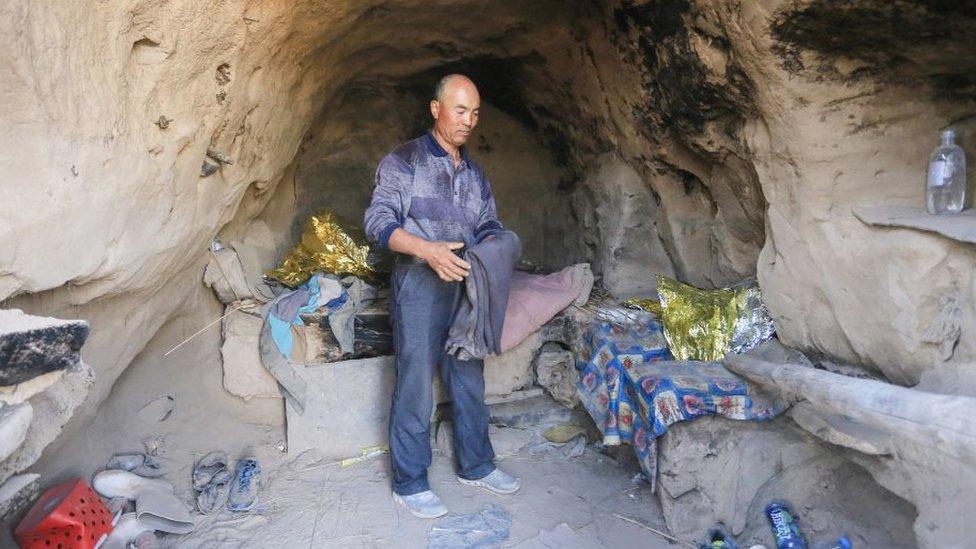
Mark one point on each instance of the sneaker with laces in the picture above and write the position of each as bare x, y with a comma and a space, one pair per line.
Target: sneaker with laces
244, 489
496, 482
423, 504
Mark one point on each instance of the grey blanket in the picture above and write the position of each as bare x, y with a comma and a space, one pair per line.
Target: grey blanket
476, 330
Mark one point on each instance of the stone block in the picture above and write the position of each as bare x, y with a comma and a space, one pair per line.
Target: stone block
555, 370
347, 407
14, 422
17, 493
528, 412
53, 407
244, 374
32, 345
715, 469
511, 370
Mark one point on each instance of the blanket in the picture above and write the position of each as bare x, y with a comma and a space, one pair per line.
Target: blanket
633, 390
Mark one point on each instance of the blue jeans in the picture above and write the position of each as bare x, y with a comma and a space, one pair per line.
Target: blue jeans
421, 307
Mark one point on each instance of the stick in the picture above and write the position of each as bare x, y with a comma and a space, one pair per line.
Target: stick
664, 535
200, 331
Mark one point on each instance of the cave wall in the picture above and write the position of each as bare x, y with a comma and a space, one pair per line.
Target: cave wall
337, 163
749, 133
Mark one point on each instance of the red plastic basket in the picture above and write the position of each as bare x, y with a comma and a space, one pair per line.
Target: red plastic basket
68, 516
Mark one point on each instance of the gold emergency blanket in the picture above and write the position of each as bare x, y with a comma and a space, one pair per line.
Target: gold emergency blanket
652, 306
329, 245
700, 324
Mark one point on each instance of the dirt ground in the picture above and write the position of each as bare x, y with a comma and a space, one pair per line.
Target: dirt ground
317, 503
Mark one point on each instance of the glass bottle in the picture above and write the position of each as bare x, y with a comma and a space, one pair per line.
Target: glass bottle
945, 189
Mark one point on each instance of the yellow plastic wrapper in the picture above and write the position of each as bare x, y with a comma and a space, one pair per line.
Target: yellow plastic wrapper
698, 324
652, 306
329, 245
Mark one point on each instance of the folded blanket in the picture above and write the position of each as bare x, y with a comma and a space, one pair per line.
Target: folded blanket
534, 299
476, 329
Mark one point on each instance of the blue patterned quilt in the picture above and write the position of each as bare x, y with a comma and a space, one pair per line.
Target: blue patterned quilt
633, 389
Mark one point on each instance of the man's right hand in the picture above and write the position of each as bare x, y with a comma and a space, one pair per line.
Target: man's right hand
440, 256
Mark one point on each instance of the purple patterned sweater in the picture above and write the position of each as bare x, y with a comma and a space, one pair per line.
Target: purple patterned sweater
419, 190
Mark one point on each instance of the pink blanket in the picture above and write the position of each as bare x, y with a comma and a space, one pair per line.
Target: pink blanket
534, 299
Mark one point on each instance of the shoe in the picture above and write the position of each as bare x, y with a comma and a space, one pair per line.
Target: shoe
211, 481
214, 495
423, 504
209, 466
496, 482
115, 483
127, 529
244, 489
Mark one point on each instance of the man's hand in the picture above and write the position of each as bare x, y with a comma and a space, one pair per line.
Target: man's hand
440, 256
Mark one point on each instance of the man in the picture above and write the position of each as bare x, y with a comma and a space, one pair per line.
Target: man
430, 201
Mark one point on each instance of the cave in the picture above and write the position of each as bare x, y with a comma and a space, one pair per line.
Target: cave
707, 141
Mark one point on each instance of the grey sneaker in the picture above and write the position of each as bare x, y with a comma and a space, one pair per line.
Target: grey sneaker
497, 481
423, 504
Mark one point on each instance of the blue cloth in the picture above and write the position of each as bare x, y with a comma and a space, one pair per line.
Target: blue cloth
633, 390
420, 310
285, 310
418, 189
275, 344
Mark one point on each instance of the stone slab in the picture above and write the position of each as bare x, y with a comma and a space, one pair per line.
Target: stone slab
31, 345
17, 493
961, 226
528, 412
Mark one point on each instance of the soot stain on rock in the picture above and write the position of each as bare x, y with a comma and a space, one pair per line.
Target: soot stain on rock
655, 36
892, 38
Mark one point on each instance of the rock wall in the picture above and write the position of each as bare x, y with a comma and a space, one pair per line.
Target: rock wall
337, 163
752, 125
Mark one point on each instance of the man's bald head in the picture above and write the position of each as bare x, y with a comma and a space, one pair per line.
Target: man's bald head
455, 108
451, 80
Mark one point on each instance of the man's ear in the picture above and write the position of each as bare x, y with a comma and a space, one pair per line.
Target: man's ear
435, 108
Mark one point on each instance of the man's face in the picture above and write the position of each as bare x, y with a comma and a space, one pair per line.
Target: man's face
456, 113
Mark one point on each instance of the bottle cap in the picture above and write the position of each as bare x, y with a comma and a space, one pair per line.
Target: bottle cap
844, 543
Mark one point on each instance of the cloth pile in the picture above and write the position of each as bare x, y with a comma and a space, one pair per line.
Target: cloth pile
476, 330
501, 307
342, 298
633, 389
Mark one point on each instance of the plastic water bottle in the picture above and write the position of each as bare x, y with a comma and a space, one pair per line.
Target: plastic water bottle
945, 188
785, 528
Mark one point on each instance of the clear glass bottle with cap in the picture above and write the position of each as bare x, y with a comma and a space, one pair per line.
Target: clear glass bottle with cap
945, 190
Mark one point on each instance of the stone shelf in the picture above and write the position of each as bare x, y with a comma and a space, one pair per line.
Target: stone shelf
960, 227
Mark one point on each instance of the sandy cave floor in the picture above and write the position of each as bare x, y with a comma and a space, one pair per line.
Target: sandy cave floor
320, 503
